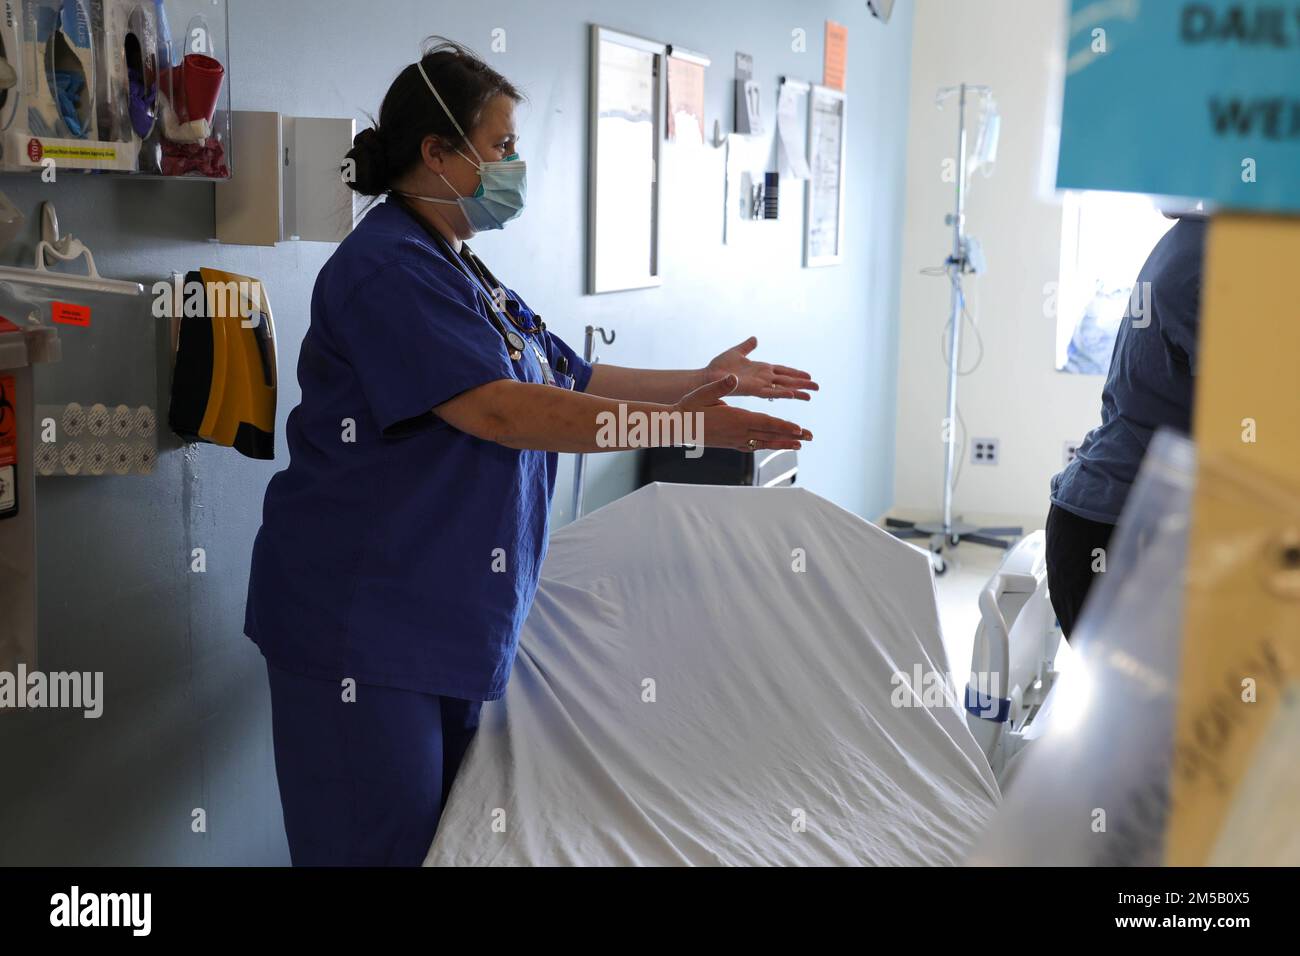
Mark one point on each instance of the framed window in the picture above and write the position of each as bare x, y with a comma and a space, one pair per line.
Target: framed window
1105, 239
626, 129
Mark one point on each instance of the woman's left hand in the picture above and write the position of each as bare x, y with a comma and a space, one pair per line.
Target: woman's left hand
760, 379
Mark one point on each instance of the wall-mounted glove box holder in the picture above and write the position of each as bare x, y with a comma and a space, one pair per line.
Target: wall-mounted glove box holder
122, 86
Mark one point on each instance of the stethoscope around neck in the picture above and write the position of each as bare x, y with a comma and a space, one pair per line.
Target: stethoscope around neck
513, 337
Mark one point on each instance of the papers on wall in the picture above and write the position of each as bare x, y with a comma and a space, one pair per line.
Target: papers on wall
788, 137
744, 66
826, 183
837, 55
685, 99
749, 111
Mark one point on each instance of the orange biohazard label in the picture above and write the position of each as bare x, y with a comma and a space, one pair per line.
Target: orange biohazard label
8, 447
8, 421
67, 314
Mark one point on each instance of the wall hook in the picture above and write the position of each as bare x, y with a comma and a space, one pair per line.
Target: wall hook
50, 224
718, 139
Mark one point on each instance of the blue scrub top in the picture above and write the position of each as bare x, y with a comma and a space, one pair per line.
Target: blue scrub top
1151, 382
395, 549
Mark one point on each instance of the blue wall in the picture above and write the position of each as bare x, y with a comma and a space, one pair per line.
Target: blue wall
186, 719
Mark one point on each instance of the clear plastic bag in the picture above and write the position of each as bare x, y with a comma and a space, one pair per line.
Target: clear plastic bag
1170, 744
1094, 789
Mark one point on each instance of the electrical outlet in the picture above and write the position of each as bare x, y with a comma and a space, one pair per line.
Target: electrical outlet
1069, 452
984, 451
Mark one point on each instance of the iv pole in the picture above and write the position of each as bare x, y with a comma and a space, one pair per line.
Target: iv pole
948, 532
580, 461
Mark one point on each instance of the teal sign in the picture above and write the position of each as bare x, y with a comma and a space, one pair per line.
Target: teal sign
1190, 99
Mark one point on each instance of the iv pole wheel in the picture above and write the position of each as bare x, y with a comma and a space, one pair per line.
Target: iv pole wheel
937, 560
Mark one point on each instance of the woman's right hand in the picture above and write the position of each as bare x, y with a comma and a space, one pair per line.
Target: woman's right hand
723, 426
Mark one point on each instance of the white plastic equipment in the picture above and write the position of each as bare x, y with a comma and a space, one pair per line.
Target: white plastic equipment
1018, 655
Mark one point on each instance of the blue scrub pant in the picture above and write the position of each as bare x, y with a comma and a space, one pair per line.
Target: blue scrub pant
364, 783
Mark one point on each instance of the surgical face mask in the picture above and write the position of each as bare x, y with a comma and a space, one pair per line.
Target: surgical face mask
502, 192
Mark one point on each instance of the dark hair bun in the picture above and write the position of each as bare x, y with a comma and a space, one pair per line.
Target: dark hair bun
394, 148
369, 168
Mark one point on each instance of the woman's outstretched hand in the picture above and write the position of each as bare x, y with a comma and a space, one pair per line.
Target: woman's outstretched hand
723, 426
759, 379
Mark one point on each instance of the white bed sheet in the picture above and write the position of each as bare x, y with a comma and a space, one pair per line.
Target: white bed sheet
772, 698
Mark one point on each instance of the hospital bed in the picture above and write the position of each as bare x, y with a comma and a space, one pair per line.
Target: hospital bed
737, 676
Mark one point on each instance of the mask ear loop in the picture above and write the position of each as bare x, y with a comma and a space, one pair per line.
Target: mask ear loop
429, 83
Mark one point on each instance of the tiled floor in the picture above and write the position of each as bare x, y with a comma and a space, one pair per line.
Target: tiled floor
969, 568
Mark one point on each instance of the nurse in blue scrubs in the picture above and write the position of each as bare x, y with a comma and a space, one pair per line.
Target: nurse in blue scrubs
400, 550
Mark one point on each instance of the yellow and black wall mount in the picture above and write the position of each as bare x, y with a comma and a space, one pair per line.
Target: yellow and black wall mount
225, 380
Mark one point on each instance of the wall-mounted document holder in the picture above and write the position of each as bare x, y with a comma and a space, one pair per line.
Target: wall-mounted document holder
293, 187
105, 85
749, 97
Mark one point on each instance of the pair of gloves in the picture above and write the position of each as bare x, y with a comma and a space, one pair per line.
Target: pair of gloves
68, 87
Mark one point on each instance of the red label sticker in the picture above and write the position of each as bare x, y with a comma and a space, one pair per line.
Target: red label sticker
8, 422
67, 314
8, 447
35, 151
7, 326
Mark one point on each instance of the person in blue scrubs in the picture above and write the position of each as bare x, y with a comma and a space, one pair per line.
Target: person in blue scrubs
400, 550
1150, 386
